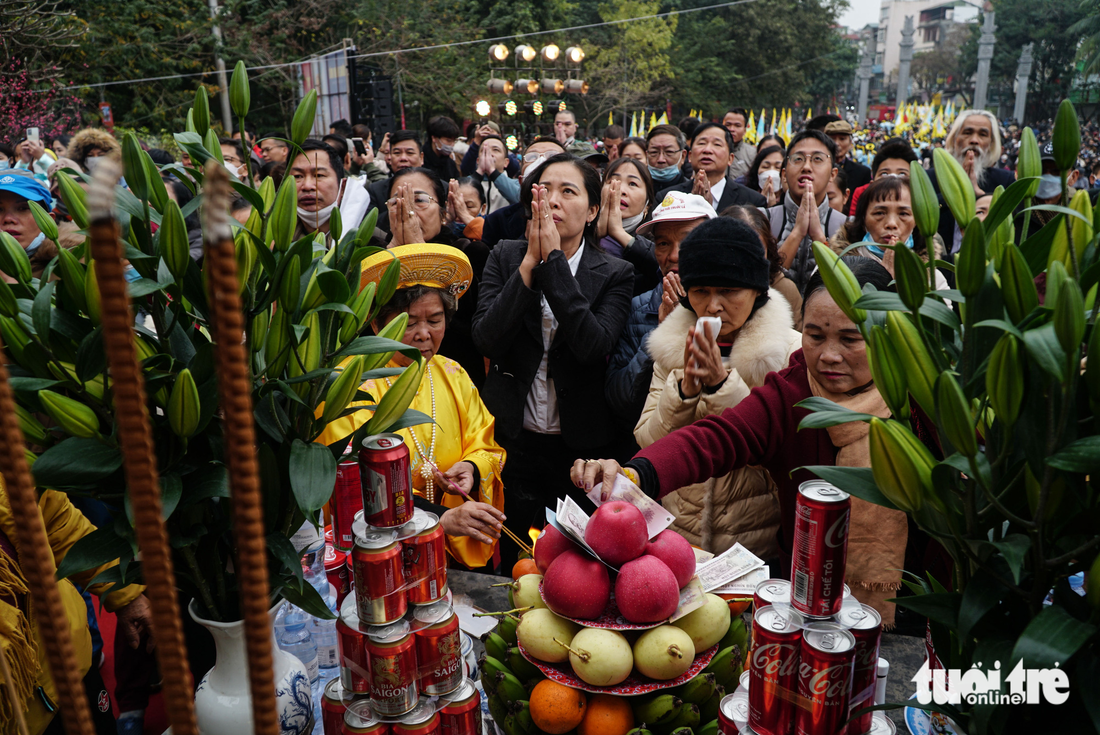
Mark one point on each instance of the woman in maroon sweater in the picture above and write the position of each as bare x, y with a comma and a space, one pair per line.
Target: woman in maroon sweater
763, 428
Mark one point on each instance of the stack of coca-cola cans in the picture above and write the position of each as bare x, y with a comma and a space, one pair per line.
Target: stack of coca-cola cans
814, 648
401, 663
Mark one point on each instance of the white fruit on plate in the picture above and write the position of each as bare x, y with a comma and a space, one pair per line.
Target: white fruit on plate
708, 624
525, 591
664, 652
537, 630
600, 657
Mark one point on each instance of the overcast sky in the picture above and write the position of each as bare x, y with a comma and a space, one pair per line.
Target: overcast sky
860, 13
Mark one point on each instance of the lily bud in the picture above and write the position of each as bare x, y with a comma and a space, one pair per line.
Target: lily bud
133, 167
970, 263
926, 205
44, 221
1017, 285
919, 368
284, 215
14, 260
911, 278
303, 118
1069, 317
74, 198
896, 472
1066, 139
1004, 379
73, 416
1028, 162
955, 186
398, 398
342, 389
200, 111
239, 95
175, 248
954, 414
291, 284
394, 330
9, 306
840, 282
887, 372
184, 406
277, 347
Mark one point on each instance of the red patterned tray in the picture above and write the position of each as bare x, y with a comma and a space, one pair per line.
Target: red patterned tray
633, 686
611, 619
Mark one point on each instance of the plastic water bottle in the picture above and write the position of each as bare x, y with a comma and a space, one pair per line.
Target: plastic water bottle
295, 638
324, 634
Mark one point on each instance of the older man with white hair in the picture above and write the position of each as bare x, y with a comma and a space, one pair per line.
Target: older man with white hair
975, 141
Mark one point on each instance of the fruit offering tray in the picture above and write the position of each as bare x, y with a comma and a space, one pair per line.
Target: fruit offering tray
611, 619
633, 686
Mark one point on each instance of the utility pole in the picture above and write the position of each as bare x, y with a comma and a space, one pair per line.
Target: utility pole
219, 62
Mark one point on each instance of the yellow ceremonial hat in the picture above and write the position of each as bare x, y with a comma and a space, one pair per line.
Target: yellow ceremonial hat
429, 264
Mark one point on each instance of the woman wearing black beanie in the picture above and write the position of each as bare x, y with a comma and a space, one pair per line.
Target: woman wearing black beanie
726, 275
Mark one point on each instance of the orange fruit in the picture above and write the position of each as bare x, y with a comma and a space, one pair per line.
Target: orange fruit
607, 714
555, 708
524, 566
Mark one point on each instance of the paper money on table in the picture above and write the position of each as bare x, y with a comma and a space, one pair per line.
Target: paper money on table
657, 518
701, 556
745, 584
692, 597
727, 566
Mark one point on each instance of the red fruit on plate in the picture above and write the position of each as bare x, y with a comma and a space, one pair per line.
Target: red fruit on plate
646, 590
674, 550
617, 532
549, 544
576, 586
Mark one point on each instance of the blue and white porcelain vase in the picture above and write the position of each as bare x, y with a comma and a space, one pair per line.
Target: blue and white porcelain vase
223, 702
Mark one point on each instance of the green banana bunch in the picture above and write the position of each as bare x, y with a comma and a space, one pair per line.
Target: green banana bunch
682, 731
200, 111
726, 667
708, 710
1004, 377
360, 304
711, 728
291, 284
970, 263
911, 277
91, 293
495, 646
1001, 236
174, 246
398, 398
15, 336
14, 260
303, 118
33, 430
343, 390
498, 710
687, 715
72, 277
1069, 318
954, 414
284, 216
507, 629
490, 666
521, 712
1066, 138
75, 200
9, 306
926, 205
839, 280
524, 670
509, 688
736, 635
955, 186
239, 95
44, 221
887, 373
639, 731
1028, 162
1017, 284
394, 330
73, 416
699, 689
916, 364
656, 710
260, 323
184, 406
902, 471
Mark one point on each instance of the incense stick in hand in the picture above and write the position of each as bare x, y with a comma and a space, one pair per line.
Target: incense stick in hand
463, 493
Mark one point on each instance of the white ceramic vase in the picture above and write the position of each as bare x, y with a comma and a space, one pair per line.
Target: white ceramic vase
223, 703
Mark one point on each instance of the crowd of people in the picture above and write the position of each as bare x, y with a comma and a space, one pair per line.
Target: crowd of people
554, 292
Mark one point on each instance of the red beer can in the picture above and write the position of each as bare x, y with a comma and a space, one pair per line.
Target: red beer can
336, 569
824, 680
354, 662
773, 669
379, 577
438, 649
347, 500
820, 551
386, 478
865, 624
359, 719
334, 702
423, 720
424, 551
393, 669
461, 715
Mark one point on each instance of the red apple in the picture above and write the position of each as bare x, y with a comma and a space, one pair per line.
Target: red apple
549, 544
576, 586
646, 590
617, 532
674, 550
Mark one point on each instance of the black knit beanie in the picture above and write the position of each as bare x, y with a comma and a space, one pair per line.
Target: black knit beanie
724, 252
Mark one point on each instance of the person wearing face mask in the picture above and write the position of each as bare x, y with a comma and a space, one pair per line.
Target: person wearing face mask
1050, 189
6, 156
439, 147
509, 223
17, 188
318, 174
89, 145
664, 148
627, 200
763, 175
726, 275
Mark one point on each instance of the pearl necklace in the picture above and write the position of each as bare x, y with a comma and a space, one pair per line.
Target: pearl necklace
427, 458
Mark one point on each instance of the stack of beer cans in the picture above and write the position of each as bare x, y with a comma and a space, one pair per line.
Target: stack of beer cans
814, 648
401, 664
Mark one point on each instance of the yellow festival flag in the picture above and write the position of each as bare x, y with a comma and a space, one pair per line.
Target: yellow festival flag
663, 119
633, 125
750, 129
610, 119
773, 128
809, 113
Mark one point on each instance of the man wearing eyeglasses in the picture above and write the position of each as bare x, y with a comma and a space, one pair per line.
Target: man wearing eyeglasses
710, 159
805, 215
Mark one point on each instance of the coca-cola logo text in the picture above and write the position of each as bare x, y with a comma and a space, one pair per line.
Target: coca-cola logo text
866, 656
832, 682
837, 535
775, 659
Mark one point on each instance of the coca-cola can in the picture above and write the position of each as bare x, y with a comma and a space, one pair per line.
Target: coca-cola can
882, 725
461, 714
726, 725
352, 642
336, 570
424, 552
359, 719
334, 702
820, 550
347, 500
824, 680
422, 720
393, 669
385, 475
379, 577
771, 591
773, 669
865, 624
438, 648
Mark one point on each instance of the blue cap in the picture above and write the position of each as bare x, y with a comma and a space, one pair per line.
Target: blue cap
25, 185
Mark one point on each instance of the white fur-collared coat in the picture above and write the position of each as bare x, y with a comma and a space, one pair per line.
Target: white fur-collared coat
742, 506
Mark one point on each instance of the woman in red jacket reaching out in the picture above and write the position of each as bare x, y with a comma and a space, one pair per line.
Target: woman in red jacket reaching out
763, 430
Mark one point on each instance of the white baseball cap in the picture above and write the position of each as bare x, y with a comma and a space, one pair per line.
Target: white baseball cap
679, 207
